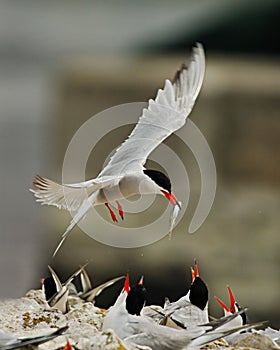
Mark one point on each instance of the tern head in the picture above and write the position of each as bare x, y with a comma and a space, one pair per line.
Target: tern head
49, 287
233, 308
194, 271
198, 293
123, 295
126, 286
136, 298
164, 184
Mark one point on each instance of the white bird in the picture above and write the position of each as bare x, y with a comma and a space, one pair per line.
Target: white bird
145, 332
188, 311
240, 320
192, 308
125, 172
233, 308
56, 293
117, 315
157, 337
125, 319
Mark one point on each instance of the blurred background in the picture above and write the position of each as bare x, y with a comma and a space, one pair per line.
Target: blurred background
62, 62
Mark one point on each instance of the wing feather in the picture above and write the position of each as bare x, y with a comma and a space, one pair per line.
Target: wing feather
164, 115
68, 196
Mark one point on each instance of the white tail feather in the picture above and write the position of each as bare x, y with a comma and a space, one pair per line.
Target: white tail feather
84, 208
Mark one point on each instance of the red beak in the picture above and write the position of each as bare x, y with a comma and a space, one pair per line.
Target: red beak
230, 309
68, 346
223, 305
194, 271
126, 286
171, 197
232, 301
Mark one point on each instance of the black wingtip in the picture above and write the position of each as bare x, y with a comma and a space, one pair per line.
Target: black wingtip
178, 73
196, 48
39, 182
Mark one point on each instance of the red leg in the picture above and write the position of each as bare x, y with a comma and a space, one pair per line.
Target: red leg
113, 216
120, 209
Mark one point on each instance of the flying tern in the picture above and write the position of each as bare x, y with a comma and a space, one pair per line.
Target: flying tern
125, 174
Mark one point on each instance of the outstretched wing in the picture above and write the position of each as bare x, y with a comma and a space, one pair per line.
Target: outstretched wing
164, 115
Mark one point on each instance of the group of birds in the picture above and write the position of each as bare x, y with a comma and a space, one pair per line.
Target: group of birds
182, 324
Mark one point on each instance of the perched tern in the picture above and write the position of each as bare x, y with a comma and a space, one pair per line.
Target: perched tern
141, 330
233, 308
192, 308
56, 293
117, 315
127, 309
240, 320
157, 337
125, 174
136, 298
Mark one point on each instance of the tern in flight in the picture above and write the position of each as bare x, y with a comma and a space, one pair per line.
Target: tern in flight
125, 174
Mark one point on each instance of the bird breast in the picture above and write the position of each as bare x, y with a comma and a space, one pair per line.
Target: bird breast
128, 186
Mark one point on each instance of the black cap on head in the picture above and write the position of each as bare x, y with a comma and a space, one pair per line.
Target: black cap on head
243, 315
159, 178
199, 293
50, 287
136, 299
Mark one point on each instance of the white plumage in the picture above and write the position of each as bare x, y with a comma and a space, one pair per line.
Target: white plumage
123, 174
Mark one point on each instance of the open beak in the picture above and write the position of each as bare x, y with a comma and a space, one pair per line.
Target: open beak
172, 199
194, 271
230, 309
232, 301
223, 305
